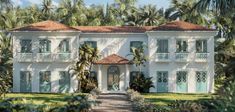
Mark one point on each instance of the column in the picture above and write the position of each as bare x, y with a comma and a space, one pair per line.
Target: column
127, 76
99, 77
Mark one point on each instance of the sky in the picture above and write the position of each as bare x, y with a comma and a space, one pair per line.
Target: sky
158, 3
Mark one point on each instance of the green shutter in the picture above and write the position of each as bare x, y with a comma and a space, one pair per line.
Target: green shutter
25, 81
45, 81
64, 82
201, 81
182, 81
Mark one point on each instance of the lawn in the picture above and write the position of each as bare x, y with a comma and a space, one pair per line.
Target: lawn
167, 98
40, 99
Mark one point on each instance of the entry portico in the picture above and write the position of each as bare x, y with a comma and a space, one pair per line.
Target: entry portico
113, 74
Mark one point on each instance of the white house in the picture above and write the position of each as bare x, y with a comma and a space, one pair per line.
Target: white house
180, 56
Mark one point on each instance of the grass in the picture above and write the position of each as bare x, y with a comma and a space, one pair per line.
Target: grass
39, 99
167, 98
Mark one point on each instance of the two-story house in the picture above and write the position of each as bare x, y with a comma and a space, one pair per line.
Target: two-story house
180, 56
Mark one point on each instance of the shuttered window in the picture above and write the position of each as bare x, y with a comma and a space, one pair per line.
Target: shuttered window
162, 46
64, 46
201, 46
25, 81
64, 81
181, 46
45, 46
26, 46
136, 44
45, 81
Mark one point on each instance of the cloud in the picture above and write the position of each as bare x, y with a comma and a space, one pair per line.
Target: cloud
17, 2
30, 2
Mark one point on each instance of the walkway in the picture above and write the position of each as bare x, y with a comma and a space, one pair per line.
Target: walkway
113, 103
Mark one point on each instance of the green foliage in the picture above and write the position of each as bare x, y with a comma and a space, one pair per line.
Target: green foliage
5, 64
82, 67
187, 106
88, 84
141, 83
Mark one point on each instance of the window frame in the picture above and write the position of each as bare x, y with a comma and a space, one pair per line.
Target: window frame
61, 46
24, 47
45, 43
163, 44
93, 44
139, 42
203, 46
181, 43
30, 79
40, 83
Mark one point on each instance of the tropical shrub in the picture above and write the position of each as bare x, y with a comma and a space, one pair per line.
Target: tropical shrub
88, 84
140, 105
141, 83
187, 106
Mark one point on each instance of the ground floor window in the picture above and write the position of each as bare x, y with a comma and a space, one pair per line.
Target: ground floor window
45, 81
162, 81
64, 81
182, 81
25, 81
133, 75
201, 81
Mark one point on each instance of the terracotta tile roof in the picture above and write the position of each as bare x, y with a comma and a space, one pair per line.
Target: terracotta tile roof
46, 26
180, 26
113, 29
113, 59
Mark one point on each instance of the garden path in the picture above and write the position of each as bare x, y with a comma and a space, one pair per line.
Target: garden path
113, 103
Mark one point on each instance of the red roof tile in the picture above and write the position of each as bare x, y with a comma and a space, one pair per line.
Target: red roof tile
180, 26
113, 29
46, 26
113, 59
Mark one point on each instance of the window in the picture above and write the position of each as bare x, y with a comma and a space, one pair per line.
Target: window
201, 76
45, 81
133, 75
181, 76
64, 81
201, 46
93, 44
25, 81
45, 46
136, 44
64, 46
162, 46
181, 46
26, 46
93, 75
162, 76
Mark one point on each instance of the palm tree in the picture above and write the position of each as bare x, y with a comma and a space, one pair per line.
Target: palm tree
149, 15
72, 13
11, 19
82, 67
219, 6
47, 8
5, 63
183, 10
123, 7
5, 4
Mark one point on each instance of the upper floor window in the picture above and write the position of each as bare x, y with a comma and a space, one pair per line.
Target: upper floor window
92, 44
45, 46
162, 46
136, 44
181, 46
64, 46
201, 46
26, 46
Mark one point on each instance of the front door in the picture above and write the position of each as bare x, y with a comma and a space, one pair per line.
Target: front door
201, 82
162, 81
181, 81
113, 78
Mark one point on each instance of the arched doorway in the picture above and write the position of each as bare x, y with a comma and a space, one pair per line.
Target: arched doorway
113, 78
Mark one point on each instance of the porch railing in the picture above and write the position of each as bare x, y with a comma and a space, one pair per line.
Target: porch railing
44, 57
25, 57
162, 57
181, 57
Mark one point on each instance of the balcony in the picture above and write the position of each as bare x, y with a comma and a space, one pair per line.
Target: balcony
63, 57
25, 57
44, 57
182, 57
162, 57
201, 57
